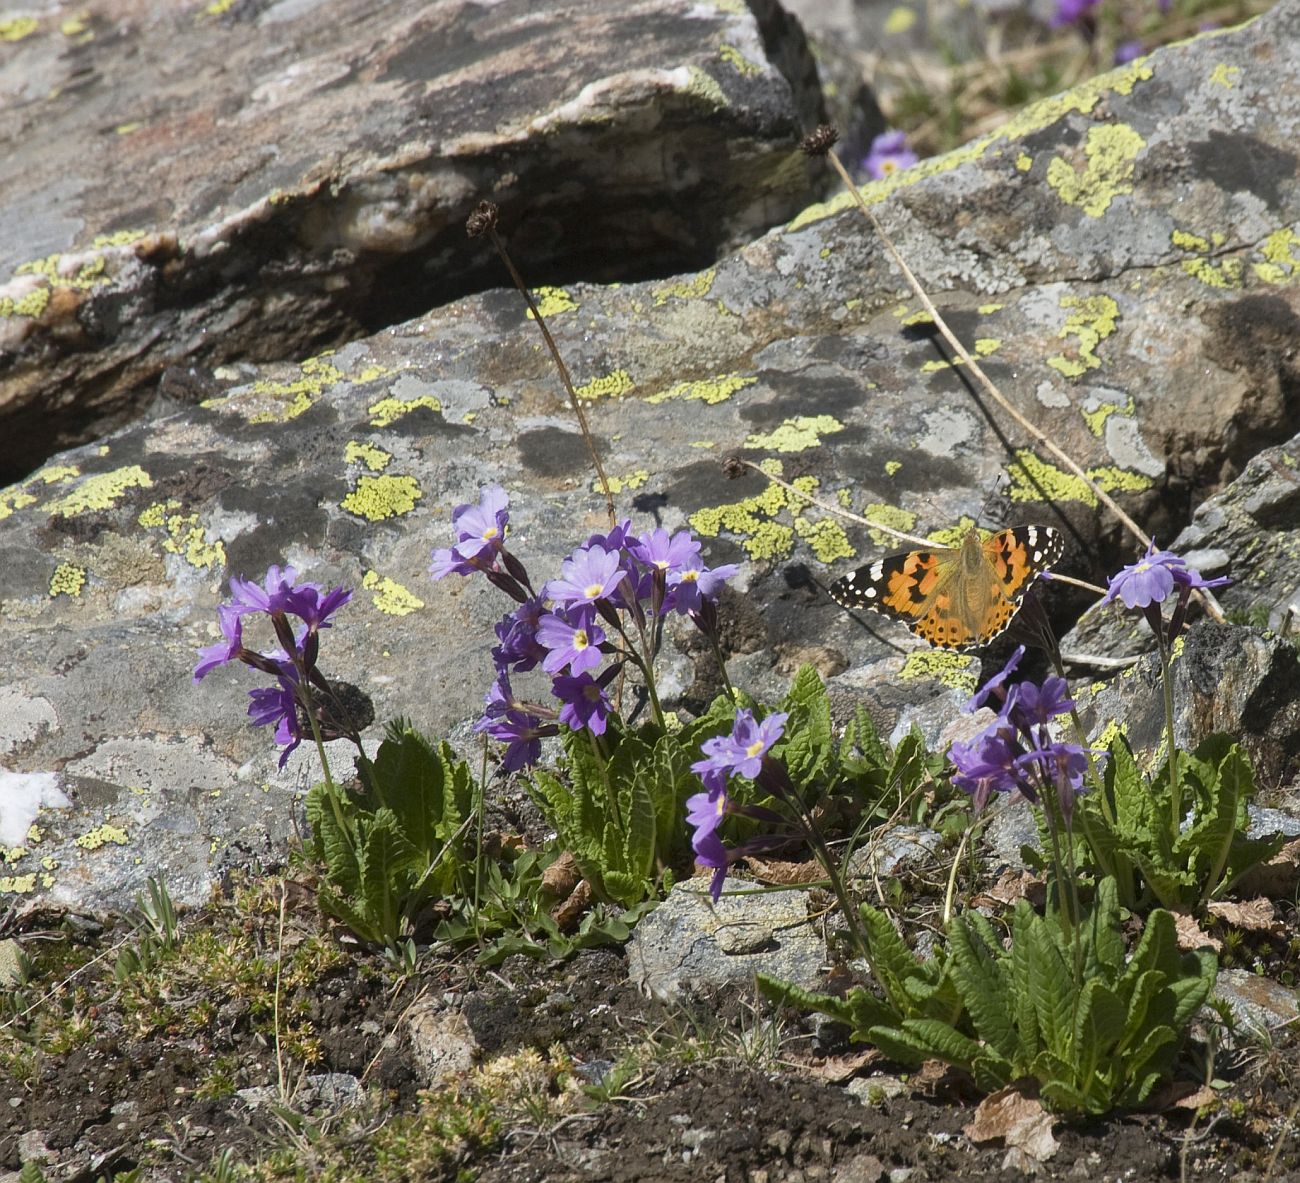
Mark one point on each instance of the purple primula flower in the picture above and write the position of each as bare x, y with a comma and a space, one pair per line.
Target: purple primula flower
694, 583
589, 574
986, 765
522, 733
1061, 766
278, 704
232, 629
741, 753
889, 154
585, 703
1029, 705
277, 593
994, 684
480, 533
1128, 51
573, 639
499, 699
1152, 578
315, 610
616, 539
704, 812
661, 551
520, 650
1071, 12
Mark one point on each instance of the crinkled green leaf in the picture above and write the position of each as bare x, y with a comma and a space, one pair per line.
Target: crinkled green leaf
982, 982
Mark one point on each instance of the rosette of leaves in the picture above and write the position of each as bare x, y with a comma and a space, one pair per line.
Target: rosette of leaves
398, 845
1095, 1029
1130, 824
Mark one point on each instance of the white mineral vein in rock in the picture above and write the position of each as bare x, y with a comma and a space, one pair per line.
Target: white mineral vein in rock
22, 796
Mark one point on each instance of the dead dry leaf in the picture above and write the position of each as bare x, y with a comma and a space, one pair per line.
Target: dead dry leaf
1020, 1121
1253, 915
1192, 936
785, 874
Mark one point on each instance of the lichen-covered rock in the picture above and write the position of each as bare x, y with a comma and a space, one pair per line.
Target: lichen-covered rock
1127, 290
189, 184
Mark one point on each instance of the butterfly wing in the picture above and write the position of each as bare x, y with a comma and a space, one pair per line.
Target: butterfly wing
955, 598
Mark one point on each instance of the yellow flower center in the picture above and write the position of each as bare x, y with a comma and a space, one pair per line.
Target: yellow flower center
754, 748
592, 590
580, 640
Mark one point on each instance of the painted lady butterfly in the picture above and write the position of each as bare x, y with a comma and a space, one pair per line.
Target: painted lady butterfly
955, 597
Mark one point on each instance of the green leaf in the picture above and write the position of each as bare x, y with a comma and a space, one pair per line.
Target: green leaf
1104, 946
807, 746
891, 961
639, 820
1051, 988
982, 984
941, 1041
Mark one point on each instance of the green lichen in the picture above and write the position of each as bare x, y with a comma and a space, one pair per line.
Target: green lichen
387, 411
1033, 479
892, 467
551, 302
1093, 322
67, 580
989, 309
376, 498
633, 480
1281, 251
1096, 417
751, 518
30, 305
1109, 153
903, 520
706, 390
14, 500
101, 836
1186, 241
703, 86
694, 289
100, 492
1226, 274
936, 665
611, 385
289, 399
186, 537
1024, 162
17, 884
15, 28
389, 596
56, 474
738, 61
1225, 75
375, 459
797, 434
825, 538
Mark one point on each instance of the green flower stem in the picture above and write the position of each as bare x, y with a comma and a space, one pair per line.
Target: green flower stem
304, 696
610, 795
1175, 783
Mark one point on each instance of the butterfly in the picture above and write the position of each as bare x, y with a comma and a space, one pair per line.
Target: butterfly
955, 597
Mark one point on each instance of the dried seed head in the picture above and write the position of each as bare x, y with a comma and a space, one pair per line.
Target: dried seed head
483, 219
819, 142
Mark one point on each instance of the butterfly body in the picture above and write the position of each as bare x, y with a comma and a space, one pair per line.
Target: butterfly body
955, 597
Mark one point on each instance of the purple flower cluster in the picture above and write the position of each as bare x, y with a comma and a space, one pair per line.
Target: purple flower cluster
616, 585
280, 597
741, 753
1150, 581
1016, 752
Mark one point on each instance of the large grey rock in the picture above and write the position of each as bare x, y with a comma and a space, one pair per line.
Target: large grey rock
188, 185
1059, 246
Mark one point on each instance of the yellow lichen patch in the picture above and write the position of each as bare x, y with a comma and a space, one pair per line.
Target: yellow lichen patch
1024, 162
610, 386
899, 20
617, 484
185, 536
825, 538
951, 536
705, 88
13, 501
552, 301
375, 459
1225, 274
888, 515
937, 665
390, 597
101, 836
378, 497
216, 8
1090, 325
1036, 117
797, 434
751, 518
989, 309
1186, 241
15, 28
288, 399
1033, 479
1096, 417
30, 304
1225, 75
1281, 250
1109, 153
695, 289
100, 492
118, 238
17, 884
738, 61
75, 26
55, 474
706, 390
388, 411
920, 317
67, 580
892, 467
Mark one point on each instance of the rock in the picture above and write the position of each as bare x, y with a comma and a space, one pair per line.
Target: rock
1066, 242
442, 1044
689, 941
323, 1093
900, 846
1260, 1006
1227, 678
311, 166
